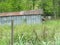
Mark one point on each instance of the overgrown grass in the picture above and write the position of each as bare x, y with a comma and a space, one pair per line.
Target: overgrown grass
47, 33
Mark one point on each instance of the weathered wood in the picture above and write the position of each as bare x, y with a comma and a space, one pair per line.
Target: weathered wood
12, 33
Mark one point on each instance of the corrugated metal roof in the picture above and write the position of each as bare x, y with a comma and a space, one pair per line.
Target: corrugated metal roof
30, 12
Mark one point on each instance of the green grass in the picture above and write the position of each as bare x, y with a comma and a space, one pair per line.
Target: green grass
47, 33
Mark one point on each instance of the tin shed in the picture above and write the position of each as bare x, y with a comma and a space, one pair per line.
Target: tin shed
29, 17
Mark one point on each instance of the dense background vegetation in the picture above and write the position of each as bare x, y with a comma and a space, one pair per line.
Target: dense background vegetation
50, 7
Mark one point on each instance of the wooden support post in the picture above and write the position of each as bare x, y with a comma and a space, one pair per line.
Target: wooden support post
12, 33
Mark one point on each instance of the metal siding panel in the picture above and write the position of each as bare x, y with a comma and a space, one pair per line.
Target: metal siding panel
34, 19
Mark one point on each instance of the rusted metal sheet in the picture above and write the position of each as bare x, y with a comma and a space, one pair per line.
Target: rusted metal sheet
34, 12
30, 12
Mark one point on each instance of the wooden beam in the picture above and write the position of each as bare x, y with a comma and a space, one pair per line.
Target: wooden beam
12, 33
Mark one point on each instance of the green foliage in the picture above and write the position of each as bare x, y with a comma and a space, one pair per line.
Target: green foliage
34, 34
50, 7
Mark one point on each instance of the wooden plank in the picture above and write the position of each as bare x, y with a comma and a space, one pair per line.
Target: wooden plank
12, 33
